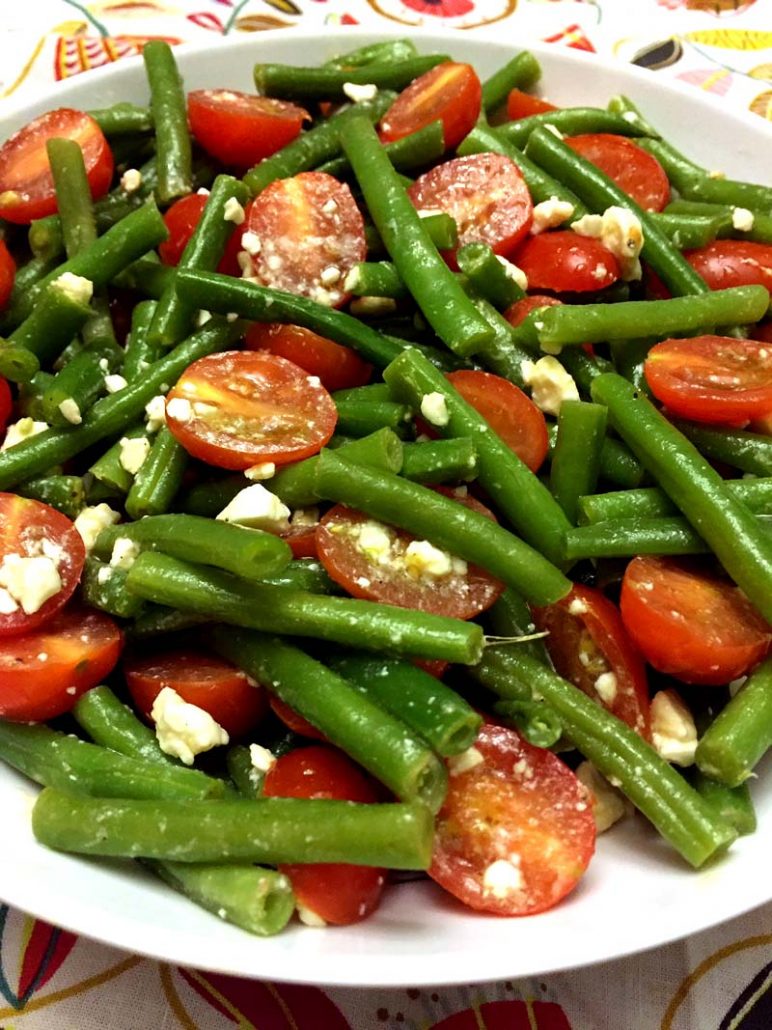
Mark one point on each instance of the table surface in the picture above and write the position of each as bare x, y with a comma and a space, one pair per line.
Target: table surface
53, 980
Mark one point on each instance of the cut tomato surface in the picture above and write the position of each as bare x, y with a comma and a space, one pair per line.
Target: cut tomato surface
241, 129
589, 647
632, 168
41, 559
26, 184
338, 893
7, 274
338, 367
486, 196
712, 378
565, 262
523, 105
43, 673
508, 411
726, 263
241, 408
309, 235
450, 93
516, 831
381, 563
690, 624
202, 679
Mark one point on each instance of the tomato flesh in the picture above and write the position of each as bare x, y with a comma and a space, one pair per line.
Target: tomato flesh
7, 274
292, 720
632, 168
450, 93
726, 263
6, 404
201, 679
181, 220
27, 187
712, 378
518, 312
565, 262
689, 624
44, 672
242, 408
338, 367
339, 893
523, 105
516, 831
241, 129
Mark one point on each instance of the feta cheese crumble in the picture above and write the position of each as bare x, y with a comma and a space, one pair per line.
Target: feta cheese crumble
30, 581
131, 180
358, 92
257, 508
742, 219
609, 804
133, 452
606, 687
434, 409
250, 242
673, 732
70, 410
233, 211
469, 759
308, 917
155, 412
514, 272
180, 409
22, 430
503, 877
261, 758
620, 232
114, 383
424, 559
549, 214
550, 384
76, 287
265, 470
91, 521
125, 553
184, 730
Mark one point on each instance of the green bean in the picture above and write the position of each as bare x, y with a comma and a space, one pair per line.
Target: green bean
112, 724
372, 392
511, 617
732, 804
109, 471
488, 275
651, 502
362, 418
81, 382
291, 82
57, 316
441, 227
723, 521
737, 740
617, 464
569, 121
65, 493
159, 620
576, 460
435, 712
388, 50
584, 367
271, 830
687, 231
104, 587
246, 778
440, 461
250, 553
45, 237
147, 276
17, 364
532, 719
159, 478
27, 277
122, 119
628, 537
58, 760
749, 452
521, 498
629, 358
416, 150
375, 279
305, 574
434, 288
355, 722
139, 351
760, 232
505, 354
447, 524
170, 118
73, 194
624, 106
598, 192
521, 72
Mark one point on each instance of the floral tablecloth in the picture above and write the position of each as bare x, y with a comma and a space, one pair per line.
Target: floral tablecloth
52, 980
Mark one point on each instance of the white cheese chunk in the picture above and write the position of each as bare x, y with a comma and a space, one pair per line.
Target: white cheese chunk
115, 383
742, 219
133, 452
673, 732
261, 758
76, 287
360, 91
30, 581
550, 384
233, 211
514, 272
202, 317
503, 877
125, 553
609, 804
549, 214
180, 409
91, 521
155, 412
70, 410
131, 180
620, 232
375, 540
606, 687
469, 759
250, 241
424, 559
265, 470
7, 604
184, 730
372, 307
257, 508
22, 430
308, 917
434, 409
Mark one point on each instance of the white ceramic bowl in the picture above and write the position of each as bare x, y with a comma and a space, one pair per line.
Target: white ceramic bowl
637, 893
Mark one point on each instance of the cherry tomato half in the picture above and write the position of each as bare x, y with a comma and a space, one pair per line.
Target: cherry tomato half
311, 233
26, 184
241, 129
449, 92
712, 378
7, 274
726, 263
523, 105
43, 673
516, 830
590, 648
201, 679
689, 624
339, 893
6, 404
565, 262
242, 408
632, 168
338, 367
521, 309
293, 721
181, 220
484, 193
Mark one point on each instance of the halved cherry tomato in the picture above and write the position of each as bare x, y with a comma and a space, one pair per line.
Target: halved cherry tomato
181, 220
26, 183
508, 411
201, 679
293, 721
484, 193
516, 831
763, 332
590, 648
725, 263
462, 592
338, 893
688, 623
311, 234
6, 404
521, 309
565, 262
523, 105
338, 367
241, 129
712, 378
43, 673
33, 530
449, 92
242, 408
632, 168
7, 274
302, 541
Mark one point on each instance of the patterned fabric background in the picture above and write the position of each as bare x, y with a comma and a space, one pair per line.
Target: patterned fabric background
722, 979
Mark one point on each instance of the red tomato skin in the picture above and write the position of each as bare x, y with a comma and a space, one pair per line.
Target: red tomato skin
451, 92
517, 802
633, 169
294, 721
726, 263
565, 262
523, 105
201, 679
6, 404
518, 312
241, 129
181, 220
613, 652
338, 892
690, 625
711, 378
7, 274
302, 542
27, 187
338, 367
32, 690
463, 187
